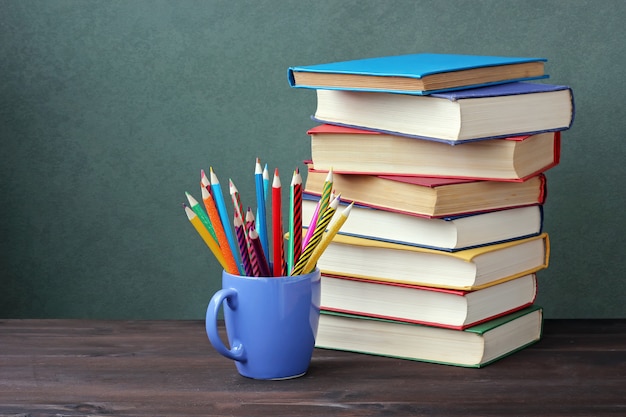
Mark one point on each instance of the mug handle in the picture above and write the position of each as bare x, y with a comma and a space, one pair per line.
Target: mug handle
236, 352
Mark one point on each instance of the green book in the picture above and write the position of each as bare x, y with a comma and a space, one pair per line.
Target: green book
474, 347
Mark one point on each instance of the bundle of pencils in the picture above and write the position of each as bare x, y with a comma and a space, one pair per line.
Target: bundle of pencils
241, 246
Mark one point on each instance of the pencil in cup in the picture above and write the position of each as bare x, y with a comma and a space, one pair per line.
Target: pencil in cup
328, 236
206, 236
222, 241
218, 197
279, 269
294, 248
320, 228
242, 242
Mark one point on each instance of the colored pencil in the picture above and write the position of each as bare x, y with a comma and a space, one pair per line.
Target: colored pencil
250, 222
204, 181
205, 235
261, 218
243, 245
311, 229
320, 228
333, 229
326, 190
266, 182
195, 206
218, 197
234, 195
323, 204
258, 255
277, 227
222, 241
290, 224
294, 248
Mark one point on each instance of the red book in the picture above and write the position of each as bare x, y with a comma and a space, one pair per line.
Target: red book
431, 306
356, 151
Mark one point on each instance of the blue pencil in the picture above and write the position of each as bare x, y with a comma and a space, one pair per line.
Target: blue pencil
266, 186
266, 182
218, 197
261, 219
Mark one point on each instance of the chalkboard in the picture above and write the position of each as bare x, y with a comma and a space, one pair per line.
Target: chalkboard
110, 109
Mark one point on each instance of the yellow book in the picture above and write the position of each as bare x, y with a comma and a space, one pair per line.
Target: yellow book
469, 269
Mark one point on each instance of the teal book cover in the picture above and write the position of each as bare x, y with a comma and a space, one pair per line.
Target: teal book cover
419, 74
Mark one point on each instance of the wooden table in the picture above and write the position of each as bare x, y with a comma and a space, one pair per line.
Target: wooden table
168, 368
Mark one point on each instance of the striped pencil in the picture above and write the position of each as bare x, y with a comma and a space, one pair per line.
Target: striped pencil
243, 246
250, 222
234, 195
333, 229
322, 205
258, 255
320, 228
327, 188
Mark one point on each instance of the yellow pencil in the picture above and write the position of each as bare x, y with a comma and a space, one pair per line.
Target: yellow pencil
327, 238
206, 236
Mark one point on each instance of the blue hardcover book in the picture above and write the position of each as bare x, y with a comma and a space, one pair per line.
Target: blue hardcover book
497, 111
419, 74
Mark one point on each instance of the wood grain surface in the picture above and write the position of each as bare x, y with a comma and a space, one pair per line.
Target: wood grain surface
168, 368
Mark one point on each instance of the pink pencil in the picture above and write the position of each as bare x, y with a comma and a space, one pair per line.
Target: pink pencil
312, 223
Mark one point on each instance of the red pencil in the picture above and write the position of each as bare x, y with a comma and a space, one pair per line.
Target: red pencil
277, 227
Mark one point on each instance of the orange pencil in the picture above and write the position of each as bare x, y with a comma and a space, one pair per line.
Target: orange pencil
214, 216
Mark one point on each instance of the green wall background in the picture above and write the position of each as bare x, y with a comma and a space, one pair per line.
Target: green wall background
109, 109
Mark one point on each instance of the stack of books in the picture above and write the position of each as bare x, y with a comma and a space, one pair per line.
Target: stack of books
444, 157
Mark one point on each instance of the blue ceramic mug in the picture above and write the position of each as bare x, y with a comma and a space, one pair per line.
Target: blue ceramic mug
271, 323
